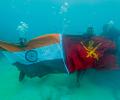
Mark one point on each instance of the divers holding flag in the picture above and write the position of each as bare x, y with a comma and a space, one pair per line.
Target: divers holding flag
59, 53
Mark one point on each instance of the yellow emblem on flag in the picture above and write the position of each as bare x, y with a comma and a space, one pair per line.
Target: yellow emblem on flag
91, 50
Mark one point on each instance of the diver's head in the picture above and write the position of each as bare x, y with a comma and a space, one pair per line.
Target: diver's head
22, 42
90, 30
111, 23
107, 27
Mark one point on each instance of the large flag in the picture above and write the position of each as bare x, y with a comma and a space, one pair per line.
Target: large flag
40, 56
56, 53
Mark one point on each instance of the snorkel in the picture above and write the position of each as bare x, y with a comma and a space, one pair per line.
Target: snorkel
22, 30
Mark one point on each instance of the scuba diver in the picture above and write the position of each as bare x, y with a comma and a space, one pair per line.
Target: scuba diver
88, 51
22, 30
89, 32
87, 36
59, 53
112, 33
40, 56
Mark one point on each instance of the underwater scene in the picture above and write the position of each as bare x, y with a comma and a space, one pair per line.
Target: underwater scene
59, 50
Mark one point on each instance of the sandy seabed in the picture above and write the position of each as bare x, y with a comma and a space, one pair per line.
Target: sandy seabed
94, 85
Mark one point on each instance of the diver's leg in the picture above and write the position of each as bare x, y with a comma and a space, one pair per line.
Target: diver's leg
79, 75
21, 76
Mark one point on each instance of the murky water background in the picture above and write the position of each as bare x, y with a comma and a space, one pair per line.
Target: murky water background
63, 16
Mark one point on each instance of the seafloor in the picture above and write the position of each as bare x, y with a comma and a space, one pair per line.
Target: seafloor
94, 85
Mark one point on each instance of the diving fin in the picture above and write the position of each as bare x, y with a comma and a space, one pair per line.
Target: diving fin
21, 76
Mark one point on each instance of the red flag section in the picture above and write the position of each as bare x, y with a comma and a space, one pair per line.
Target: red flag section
93, 53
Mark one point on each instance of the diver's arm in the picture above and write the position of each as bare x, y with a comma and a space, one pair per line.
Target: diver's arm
4, 46
43, 41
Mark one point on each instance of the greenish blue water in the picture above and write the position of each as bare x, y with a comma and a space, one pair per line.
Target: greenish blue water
63, 16
44, 16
